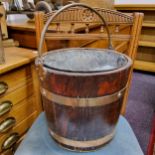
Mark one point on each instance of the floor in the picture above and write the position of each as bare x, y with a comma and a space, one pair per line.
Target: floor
141, 106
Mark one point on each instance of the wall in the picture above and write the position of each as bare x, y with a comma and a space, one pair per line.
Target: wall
134, 1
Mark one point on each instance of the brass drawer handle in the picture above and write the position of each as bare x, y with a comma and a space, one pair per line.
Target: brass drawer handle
5, 107
10, 141
3, 87
7, 124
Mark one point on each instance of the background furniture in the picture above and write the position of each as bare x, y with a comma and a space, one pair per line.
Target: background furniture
20, 101
124, 29
35, 143
22, 30
3, 22
109, 4
145, 59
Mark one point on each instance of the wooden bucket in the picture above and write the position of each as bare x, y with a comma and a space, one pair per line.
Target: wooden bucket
82, 92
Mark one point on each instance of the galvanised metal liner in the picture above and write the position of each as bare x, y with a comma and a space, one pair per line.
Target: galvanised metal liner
82, 92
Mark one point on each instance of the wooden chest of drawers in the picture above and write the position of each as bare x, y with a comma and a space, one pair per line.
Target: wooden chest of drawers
19, 97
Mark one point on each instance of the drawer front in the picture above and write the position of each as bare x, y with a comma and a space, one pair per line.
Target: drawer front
8, 141
14, 79
16, 115
8, 101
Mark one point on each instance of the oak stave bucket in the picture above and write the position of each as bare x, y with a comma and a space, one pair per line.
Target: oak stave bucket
82, 92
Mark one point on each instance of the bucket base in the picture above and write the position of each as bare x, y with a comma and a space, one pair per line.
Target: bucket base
81, 146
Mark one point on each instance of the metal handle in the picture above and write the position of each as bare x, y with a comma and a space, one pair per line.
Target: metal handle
10, 141
64, 8
3, 87
5, 107
7, 124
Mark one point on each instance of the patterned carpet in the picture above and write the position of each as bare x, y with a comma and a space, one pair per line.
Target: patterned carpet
141, 106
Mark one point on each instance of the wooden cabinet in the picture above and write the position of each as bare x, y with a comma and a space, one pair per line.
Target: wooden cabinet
145, 60
19, 96
22, 30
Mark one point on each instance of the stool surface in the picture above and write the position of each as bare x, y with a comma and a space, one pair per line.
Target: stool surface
39, 142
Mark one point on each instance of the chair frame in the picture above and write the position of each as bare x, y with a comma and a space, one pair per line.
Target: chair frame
73, 15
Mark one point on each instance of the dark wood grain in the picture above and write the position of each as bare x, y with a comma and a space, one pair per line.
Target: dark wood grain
85, 86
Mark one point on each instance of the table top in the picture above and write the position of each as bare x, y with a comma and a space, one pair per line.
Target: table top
16, 57
20, 22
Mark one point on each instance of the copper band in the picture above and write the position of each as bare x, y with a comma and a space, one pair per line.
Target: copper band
82, 144
82, 102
